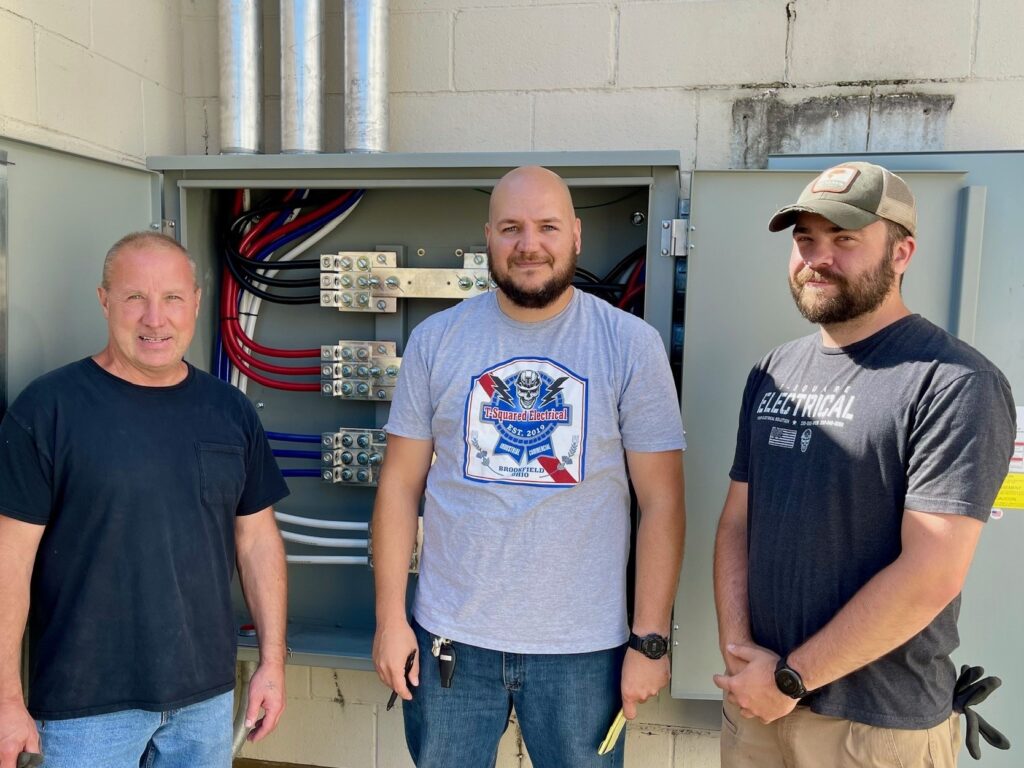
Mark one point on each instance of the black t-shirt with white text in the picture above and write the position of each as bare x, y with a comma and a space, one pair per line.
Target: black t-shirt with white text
835, 444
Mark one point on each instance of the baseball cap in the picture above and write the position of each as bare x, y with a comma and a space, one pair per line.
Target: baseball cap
853, 195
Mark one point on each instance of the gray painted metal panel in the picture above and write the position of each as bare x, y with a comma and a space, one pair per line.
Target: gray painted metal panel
991, 627
4, 342
64, 213
738, 308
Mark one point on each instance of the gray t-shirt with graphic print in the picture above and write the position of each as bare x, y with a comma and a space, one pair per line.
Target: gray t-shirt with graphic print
835, 444
526, 516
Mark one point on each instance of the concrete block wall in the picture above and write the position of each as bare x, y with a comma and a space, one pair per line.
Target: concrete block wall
101, 78
726, 82
338, 719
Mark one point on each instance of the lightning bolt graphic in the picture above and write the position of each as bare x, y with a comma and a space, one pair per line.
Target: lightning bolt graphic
553, 390
501, 389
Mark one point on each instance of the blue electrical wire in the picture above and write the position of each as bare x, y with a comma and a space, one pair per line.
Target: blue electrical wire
291, 437
288, 454
300, 472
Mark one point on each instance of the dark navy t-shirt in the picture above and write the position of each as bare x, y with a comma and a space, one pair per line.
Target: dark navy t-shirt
138, 488
835, 444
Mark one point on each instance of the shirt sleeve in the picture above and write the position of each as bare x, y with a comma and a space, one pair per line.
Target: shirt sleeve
264, 484
649, 413
412, 409
740, 471
960, 446
26, 474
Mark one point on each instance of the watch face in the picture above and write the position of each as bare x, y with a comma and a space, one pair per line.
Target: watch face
654, 646
788, 682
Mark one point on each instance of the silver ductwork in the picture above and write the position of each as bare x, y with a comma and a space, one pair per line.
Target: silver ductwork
302, 76
366, 75
241, 76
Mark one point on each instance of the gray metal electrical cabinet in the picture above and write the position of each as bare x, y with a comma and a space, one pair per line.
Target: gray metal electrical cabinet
430, 210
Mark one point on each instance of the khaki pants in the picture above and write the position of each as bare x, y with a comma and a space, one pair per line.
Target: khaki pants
803, 739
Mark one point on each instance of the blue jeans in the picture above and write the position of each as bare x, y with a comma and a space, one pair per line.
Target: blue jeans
196, 736
564, 703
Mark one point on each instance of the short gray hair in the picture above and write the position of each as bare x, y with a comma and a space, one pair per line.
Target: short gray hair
141, 239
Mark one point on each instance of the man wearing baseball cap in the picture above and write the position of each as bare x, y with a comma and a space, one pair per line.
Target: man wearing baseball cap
867, 459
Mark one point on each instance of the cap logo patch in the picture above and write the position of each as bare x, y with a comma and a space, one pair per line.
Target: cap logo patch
836, 180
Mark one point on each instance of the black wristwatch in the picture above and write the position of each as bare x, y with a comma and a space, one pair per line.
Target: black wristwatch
652, 646
788, 680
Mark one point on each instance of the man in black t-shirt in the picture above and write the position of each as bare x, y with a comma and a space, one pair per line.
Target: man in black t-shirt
130, 484
867, 459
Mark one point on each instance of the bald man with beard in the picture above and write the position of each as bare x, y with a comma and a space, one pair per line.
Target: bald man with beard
539, 402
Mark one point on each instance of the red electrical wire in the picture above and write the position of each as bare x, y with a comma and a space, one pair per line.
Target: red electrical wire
234, 337
633, 287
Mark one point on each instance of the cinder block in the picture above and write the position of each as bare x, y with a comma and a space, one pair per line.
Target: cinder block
533, 48
718, 42
200, 61
648, 746
511, 749
348, 685
435, 5
68, 18
420, 52
296, 681
320, 733
153, 46
202, 126
85, 95
970, 124
739, 129
18, 92
461, 122
836, 41
999, 50
197, 8
648, 119
697, 749
164, 115
909, 121
392, 751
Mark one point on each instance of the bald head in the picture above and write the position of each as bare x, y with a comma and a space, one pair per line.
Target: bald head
154, 241
530, 181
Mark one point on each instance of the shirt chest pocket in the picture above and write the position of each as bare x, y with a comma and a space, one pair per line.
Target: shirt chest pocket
221, 474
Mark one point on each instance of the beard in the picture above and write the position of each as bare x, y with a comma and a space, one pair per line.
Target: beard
536, 298
853, 297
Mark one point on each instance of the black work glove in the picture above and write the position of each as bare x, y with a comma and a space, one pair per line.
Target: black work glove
972, 689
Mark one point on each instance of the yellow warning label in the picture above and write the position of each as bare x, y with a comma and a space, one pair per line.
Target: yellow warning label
1011, 495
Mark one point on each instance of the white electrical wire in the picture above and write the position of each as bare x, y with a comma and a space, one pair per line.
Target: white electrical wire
323, 541
249, 308
313, 522
328, 559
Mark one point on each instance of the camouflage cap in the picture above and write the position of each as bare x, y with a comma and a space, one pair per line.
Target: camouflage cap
853, 195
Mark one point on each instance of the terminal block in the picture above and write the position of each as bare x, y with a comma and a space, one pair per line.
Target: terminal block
352, 456
372, 281
359, 370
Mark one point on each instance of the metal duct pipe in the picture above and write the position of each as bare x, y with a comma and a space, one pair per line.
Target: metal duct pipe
302, 76
366, 75
241, 76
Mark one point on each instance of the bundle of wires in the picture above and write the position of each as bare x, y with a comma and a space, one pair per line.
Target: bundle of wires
622, 286
250, 276
291, 453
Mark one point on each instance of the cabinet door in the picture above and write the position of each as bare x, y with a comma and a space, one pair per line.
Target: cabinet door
63, 213
737, 308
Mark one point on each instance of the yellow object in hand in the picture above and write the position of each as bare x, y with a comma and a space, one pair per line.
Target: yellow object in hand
612, 736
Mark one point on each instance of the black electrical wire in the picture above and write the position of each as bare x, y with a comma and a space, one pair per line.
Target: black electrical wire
633, 256
243, 281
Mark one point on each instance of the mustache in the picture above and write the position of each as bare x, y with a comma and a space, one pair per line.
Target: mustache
807, 274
